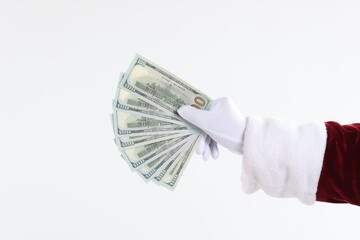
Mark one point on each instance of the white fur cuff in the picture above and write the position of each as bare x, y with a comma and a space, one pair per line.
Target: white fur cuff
283, 158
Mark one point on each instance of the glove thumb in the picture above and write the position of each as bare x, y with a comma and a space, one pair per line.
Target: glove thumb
195, 116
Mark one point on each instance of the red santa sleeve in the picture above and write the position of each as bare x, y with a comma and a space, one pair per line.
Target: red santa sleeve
313, 161
340, 175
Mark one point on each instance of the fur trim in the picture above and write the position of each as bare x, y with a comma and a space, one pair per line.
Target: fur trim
283, 158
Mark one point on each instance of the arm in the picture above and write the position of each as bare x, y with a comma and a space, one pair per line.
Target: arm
340, 175
313, 161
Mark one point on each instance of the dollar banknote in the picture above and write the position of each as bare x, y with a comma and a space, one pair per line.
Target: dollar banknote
126, 97
163, 89
144, 154
146, 171
149, 114
171, 178
150, 135
130, 121
173, 129
125, 143
166, 170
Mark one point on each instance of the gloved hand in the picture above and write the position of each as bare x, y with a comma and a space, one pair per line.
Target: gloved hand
223, 124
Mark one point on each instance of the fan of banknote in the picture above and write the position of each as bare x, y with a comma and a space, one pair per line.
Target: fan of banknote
152, 138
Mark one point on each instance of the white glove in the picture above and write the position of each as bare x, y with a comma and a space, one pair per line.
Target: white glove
223, 124
207, 147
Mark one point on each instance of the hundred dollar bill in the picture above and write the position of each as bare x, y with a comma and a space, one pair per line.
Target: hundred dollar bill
131, 140
144, 140
172, 177
168, 166
146, 171
125, 97
150, 131
129, 135
136, 157
154, 84
130, 121
149, 114
136, 153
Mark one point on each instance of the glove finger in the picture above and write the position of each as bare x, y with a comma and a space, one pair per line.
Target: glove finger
199, 118
207, 152
214, 149
202, 144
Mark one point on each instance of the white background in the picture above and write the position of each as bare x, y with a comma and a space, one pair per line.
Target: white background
61, 176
